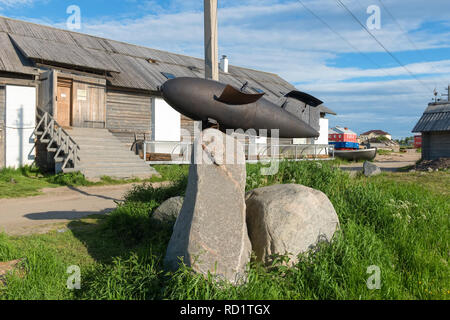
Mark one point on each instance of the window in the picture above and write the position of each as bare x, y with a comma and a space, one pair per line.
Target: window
168, 75
194, 68
257, 90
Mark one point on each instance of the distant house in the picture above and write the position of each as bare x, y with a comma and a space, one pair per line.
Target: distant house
379, 139
373, 134
341, 134
435, 128
83, 99
343, 138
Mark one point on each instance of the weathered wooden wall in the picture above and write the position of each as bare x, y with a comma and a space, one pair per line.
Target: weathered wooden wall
89, 105
435, 145
2, 126
128, 113
187, 124
88, 99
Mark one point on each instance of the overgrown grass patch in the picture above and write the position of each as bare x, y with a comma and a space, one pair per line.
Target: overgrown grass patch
399, 226
29, 180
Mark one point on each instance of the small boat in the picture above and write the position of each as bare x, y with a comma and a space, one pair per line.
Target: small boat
361, 154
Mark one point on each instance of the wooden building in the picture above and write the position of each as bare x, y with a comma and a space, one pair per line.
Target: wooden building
88, 82
435, 128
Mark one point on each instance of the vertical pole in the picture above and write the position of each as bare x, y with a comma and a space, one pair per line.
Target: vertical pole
145, 150
211, 44
448, 93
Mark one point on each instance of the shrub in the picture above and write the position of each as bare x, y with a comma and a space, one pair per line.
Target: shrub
69, 179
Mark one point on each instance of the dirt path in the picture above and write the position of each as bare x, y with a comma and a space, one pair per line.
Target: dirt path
40, 213
391, 162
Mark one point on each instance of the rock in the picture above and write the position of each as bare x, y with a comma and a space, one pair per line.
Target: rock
168, 210
288, 219
10, 267
370, 169
210, 233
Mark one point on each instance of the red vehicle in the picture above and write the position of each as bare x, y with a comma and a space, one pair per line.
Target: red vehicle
418, 141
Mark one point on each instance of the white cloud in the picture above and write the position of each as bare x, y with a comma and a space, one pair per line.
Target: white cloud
13, 3
281, 37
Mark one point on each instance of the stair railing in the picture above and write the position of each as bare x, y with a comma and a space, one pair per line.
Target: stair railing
49, 131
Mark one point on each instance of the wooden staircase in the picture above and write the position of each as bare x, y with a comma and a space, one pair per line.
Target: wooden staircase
93, 152
59, 144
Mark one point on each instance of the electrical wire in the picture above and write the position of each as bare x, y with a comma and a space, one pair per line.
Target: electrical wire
405, 33
344, 39
382, 45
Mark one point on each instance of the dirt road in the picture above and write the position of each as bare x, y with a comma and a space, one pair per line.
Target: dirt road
40, 213
391, 162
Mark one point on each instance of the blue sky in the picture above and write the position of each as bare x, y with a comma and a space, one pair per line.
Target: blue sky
369, 91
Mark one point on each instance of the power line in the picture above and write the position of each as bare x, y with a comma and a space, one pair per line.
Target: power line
344, 39
400, 27
405, 33
381, 44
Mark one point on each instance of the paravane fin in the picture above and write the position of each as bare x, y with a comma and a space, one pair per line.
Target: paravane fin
304, 97
231, 95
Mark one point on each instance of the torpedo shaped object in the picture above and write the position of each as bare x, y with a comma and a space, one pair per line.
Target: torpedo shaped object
202, 100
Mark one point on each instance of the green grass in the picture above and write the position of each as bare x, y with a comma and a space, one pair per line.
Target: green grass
400, 225
29, 181
383, 152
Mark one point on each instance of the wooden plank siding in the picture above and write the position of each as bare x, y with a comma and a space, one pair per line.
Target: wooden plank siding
435, 145
188, 125
88, 108
2, 126
128, 113
89, 105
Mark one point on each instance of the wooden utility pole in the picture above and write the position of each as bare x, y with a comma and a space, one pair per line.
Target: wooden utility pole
211, 44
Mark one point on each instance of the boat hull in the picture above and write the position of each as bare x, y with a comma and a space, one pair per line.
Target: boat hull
362, 154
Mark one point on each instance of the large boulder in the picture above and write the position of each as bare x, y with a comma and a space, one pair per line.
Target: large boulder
210, 234
168, 210
288, 219
370, 169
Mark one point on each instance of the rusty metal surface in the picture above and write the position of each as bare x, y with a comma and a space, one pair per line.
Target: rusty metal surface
195, 98
232, 96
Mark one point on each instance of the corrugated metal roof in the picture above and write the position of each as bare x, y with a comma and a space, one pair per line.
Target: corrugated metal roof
339, 129
128, 65
434, 121
438, 107
435, 118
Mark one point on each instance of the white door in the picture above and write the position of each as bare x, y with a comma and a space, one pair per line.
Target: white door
20, 123
166, 126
